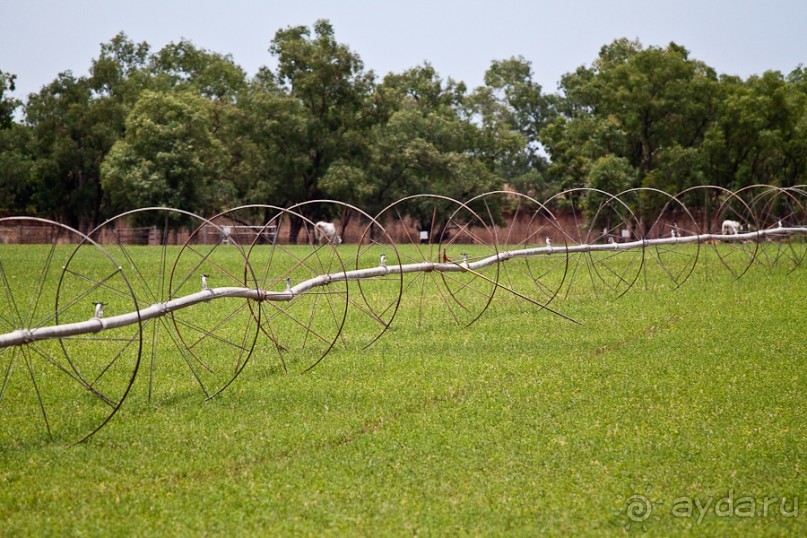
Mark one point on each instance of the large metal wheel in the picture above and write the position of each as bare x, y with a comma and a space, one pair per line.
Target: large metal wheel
796, 249
717, 207
596, 225
75, 381
439, 240
165, 251
376, 281
777, 210
304, 312
531, 245
219, 334
664, 223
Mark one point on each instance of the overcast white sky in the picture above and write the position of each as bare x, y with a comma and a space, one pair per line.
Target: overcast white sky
40, 38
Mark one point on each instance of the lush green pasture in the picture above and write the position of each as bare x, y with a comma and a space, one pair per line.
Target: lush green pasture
691, 400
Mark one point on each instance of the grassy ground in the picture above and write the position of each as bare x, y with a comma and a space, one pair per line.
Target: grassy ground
666, 412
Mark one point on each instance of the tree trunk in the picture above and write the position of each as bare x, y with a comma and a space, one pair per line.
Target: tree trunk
294, 230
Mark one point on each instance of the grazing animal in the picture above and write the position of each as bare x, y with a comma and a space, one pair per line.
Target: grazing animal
730, 227
325, 232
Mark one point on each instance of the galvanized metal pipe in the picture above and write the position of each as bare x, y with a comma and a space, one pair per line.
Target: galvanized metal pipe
95, 325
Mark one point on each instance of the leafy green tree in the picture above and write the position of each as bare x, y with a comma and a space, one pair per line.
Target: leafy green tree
68, 145
424, 144
796, 145
266, 135
121, 70
16, 165
15, 158
185, 67
168, 157
404, 146
184, 127
647, 100
8, 104
74, 121
576, 143
758, 135
511, 110
117, 77
330, 83
610, 174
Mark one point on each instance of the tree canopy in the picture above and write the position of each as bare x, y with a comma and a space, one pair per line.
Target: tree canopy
188, 128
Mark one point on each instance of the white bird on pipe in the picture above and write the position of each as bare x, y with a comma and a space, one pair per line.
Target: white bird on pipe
204, 282
99, 310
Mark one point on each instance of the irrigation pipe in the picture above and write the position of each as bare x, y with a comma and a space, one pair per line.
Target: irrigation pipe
95, 325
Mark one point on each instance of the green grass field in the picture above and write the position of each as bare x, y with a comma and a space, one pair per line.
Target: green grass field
667, 412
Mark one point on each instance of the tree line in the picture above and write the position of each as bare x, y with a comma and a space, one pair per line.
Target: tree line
187, 128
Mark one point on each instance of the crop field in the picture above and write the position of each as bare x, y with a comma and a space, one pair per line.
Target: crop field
669, 410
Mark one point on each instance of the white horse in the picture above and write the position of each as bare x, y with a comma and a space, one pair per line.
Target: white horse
730, 227
325, 232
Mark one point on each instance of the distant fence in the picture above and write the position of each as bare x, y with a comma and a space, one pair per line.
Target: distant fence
29, 234
618, 219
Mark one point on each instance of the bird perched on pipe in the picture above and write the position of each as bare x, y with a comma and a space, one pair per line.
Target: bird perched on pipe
99, 309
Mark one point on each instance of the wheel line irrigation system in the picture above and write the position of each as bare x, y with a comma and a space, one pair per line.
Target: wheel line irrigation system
270, 276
